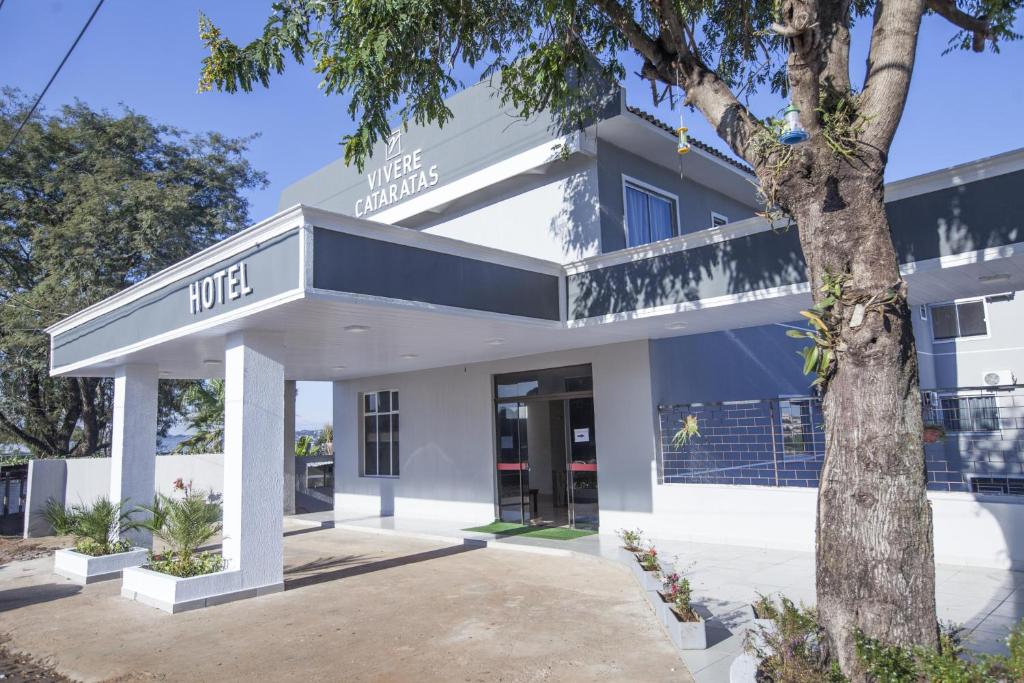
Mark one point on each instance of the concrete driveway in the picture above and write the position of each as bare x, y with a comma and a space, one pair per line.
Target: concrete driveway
357, 607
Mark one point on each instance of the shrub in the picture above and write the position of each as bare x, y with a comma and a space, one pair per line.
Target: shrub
795, 649
96, 527
60, 518
951, 663
195, 565
185, 524
631, 539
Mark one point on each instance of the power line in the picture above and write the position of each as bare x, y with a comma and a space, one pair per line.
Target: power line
52, 78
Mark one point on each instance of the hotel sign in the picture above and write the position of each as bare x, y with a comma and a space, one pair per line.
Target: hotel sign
402, 176
226, 284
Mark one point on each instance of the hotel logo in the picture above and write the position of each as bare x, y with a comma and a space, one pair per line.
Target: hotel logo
394, 146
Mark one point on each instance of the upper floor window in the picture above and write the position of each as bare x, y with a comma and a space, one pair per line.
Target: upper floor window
970, 413
718, 220
651, 214
380, 434
959, 319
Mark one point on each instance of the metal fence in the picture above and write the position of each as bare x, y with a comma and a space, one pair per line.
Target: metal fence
780, 442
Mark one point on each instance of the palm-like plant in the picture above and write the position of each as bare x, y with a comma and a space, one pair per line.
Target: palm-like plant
206, 418
96, 527
184, 524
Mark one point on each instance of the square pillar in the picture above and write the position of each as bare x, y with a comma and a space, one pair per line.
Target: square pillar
289, 447
253, 459
133, 442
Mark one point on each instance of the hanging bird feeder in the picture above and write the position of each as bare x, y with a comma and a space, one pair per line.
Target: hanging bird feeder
792, 132
683, 146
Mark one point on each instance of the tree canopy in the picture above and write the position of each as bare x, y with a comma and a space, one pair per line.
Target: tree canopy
396, 58
90, 203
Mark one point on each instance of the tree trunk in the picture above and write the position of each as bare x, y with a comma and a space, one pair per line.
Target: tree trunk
875, 561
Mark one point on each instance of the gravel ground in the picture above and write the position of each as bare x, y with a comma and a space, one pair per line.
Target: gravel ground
18, 668
15, 548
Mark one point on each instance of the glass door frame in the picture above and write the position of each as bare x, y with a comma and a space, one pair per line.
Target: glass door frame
564, 397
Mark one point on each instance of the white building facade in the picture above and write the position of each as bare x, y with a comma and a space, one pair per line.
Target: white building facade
516, 317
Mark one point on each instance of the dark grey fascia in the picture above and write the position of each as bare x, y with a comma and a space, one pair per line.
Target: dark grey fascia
357, 264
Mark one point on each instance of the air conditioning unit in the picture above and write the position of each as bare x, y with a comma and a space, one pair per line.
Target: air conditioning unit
996, 378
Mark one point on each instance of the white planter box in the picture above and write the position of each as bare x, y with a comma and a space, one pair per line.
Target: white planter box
174, 594
685, 635
84, 569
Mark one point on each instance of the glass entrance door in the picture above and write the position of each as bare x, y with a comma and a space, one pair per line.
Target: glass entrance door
546, 451
581, 474
513, 476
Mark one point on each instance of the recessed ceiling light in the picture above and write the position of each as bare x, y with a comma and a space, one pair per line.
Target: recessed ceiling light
410, 355
994, 277
676, 326
496, 342
357, 328
212, 361
165, 373
339, 367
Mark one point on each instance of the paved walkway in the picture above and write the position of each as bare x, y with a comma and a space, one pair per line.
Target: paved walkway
357, 607
987, 602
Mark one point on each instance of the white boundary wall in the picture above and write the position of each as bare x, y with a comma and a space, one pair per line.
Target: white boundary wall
83, 480
969, 530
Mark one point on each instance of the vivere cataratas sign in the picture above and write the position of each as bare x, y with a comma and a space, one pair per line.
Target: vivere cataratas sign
401, 177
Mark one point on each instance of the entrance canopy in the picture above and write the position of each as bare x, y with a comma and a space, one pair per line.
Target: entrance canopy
348, 297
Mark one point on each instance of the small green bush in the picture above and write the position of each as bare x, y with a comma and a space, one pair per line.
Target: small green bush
648, 559
193, 565
185, 524
97, 527
795, 650
60, 518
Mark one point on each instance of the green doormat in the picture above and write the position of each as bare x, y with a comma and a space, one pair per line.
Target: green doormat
556, 533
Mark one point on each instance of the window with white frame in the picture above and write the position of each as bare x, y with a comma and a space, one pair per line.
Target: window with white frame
969, 413
650, 214
958, 320
380, 434
718, 220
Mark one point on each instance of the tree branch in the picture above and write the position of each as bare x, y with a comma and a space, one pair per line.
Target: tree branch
667, 58
890, 66
979, 26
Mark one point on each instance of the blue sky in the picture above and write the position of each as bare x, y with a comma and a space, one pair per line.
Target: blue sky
146, 55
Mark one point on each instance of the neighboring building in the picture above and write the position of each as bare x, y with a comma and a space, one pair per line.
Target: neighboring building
515, 321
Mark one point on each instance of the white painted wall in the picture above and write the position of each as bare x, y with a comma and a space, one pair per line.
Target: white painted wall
555, 217
963, 362
83, 480
447, 436
969, 530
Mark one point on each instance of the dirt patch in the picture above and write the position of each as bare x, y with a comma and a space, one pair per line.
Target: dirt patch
19, 668
14, 549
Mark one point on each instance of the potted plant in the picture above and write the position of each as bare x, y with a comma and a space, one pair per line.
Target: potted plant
648, 569
632, 543
99, 552
933, 432
685, 626
182, 577
764, 614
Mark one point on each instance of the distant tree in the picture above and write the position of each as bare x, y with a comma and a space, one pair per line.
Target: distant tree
325, 440
394, 59
203, 405
305, 446
90, 203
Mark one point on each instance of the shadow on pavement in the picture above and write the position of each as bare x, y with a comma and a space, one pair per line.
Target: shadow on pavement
33, 595
325, 568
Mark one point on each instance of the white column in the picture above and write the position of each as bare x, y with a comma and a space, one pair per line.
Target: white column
133, 443
289, 447
253, 458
